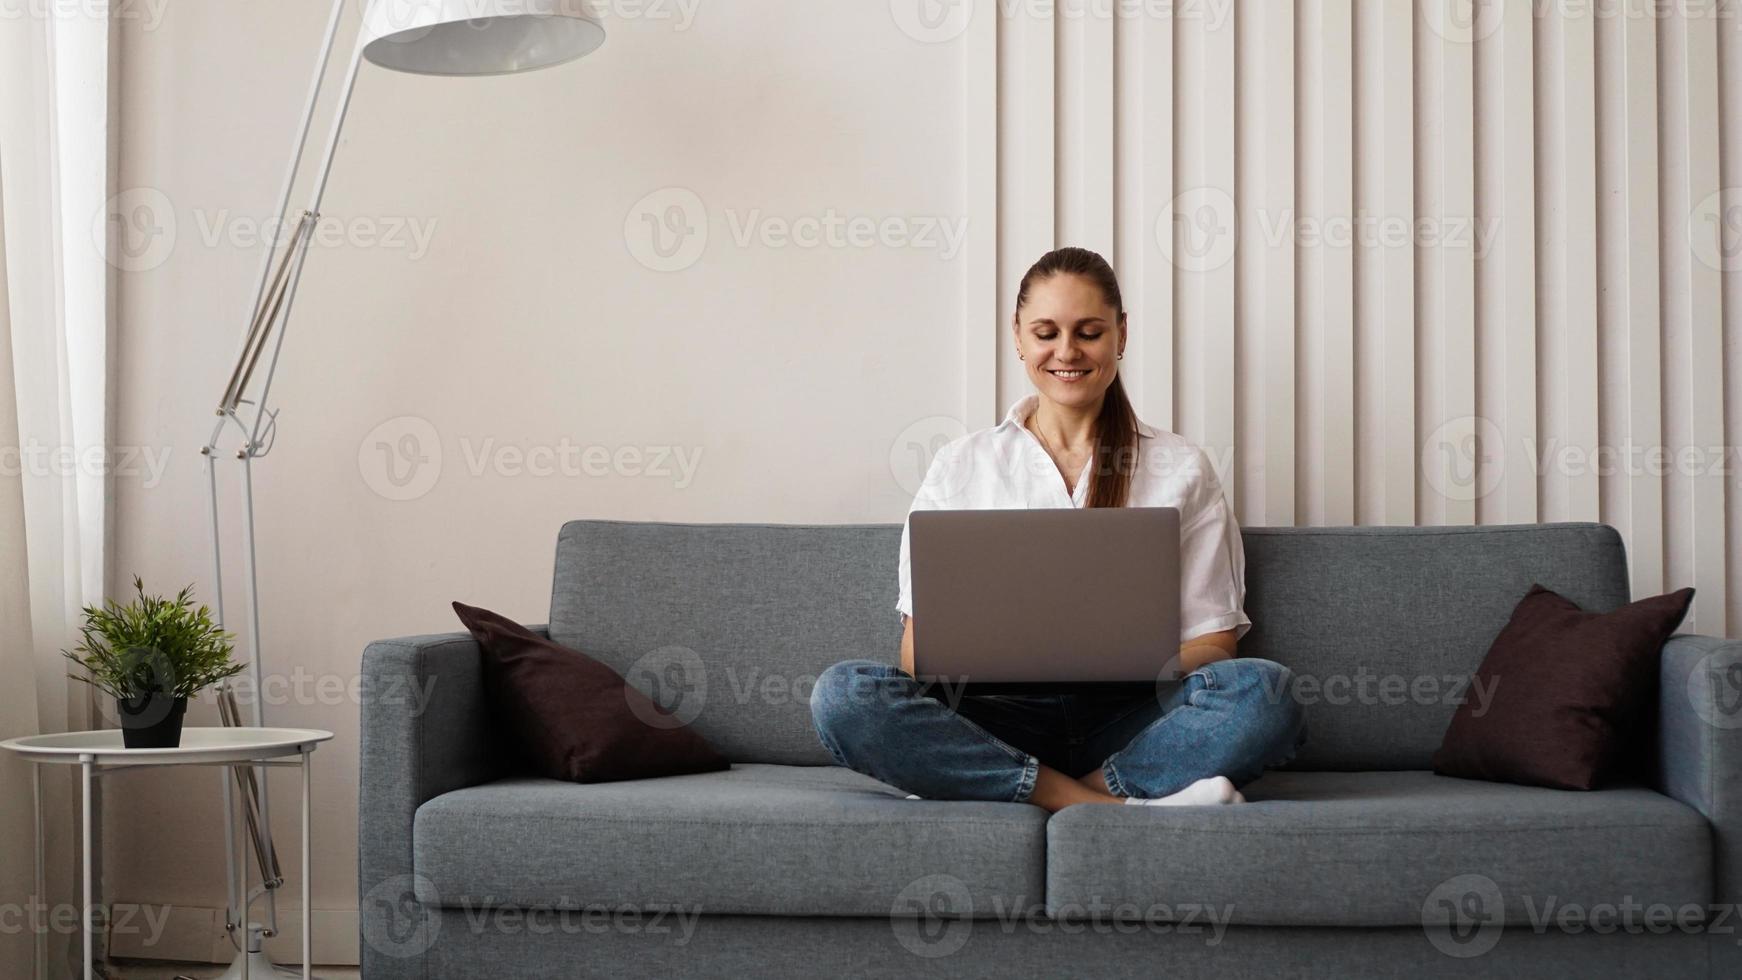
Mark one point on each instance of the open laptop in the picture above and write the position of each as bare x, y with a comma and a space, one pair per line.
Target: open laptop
1032, 601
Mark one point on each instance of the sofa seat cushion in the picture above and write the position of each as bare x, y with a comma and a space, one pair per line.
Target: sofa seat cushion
1374, 848
756, 839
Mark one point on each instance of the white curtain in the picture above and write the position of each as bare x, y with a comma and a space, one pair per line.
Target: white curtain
56, 113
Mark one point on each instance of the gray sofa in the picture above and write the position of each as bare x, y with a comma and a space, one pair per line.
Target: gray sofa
1355, 860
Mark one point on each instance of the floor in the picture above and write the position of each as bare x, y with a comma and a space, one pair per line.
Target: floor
160, 970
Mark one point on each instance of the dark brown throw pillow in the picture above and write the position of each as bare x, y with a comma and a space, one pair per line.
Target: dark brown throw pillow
574, 717
1570, 691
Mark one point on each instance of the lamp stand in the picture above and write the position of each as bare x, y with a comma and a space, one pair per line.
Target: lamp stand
255, 424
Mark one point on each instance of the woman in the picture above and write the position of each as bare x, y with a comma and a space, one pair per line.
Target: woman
1077, 443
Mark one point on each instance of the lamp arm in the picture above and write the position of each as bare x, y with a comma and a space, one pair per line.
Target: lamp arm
263, 416
298, 145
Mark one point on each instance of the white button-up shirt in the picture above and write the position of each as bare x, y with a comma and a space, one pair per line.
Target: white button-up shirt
1006, 467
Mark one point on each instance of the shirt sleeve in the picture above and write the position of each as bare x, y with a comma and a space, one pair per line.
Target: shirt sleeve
1212, 561
931, 496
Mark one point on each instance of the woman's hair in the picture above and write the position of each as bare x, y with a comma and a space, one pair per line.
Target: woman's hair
1116, 427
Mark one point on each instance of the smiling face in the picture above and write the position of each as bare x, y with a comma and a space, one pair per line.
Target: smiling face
1070, 339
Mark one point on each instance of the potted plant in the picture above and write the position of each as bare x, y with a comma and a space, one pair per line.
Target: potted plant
151, 655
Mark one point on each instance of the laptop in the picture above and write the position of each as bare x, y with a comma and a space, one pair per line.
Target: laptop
1035, 601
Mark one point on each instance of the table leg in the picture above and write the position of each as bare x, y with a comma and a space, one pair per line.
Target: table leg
39, 903
85, 772
307, 917
236, 823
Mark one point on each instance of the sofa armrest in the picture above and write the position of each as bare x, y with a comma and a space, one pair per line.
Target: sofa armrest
424, 732
1700, 751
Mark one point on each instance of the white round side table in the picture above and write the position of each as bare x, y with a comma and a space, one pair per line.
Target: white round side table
99, 753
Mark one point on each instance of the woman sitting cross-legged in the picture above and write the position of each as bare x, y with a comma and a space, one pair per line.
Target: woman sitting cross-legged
1076, 442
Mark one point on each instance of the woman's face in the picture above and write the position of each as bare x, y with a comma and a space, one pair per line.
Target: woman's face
1070, 340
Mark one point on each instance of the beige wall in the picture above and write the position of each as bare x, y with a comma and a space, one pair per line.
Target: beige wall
783, 375
1337, 384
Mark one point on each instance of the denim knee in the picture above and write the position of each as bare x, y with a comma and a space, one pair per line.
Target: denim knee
1263, 694
840, 699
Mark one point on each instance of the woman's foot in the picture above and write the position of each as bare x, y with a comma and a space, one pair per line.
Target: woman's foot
1214, 791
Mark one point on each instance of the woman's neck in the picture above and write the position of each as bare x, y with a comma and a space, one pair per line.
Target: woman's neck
1066, 429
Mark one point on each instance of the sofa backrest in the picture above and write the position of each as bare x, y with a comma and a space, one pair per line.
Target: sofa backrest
728, 625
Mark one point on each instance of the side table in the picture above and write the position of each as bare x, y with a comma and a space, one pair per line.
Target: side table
98, 753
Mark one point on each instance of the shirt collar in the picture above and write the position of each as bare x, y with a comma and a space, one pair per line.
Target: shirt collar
1026, 405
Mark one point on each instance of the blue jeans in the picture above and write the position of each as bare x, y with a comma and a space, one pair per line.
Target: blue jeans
1228, 718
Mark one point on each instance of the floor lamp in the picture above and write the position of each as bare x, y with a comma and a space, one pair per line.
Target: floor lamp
427, 37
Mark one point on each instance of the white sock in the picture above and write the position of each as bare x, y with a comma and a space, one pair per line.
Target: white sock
912, 797
1205, 792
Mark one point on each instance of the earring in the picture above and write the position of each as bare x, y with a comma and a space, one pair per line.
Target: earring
1020, 356
1121, 357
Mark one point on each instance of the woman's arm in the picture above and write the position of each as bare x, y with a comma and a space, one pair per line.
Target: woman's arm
1208, 648
907, 643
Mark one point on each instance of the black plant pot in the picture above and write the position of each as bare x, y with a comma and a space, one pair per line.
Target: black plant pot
151, 721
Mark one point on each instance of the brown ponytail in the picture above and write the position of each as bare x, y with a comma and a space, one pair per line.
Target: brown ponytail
1116, 427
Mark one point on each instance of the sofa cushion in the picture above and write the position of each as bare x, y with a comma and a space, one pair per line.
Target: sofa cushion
1385, 626
1573, 692
571, 716
758, 839
728, 625
1376, 849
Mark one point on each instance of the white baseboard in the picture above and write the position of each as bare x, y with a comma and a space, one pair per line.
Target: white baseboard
196, 935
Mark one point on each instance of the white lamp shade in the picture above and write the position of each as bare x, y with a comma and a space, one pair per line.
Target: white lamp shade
478, 37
